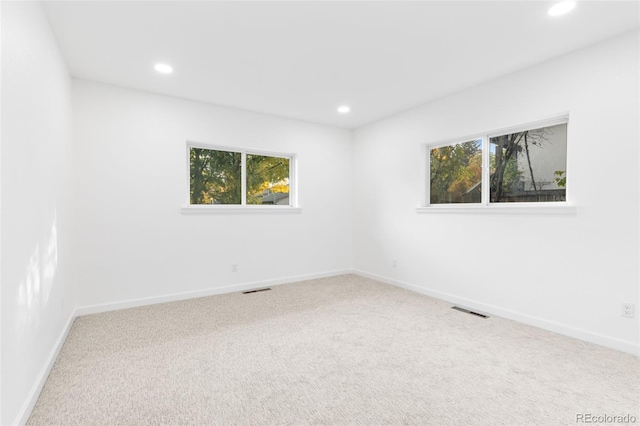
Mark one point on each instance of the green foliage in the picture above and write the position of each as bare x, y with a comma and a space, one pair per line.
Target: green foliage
455, 170
215, 177
561, 178
504, 158
512, 174
266, 173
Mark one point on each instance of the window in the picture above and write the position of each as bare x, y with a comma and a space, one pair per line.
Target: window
520, 165
222, 176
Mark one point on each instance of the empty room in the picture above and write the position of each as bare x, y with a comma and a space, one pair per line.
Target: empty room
328, 213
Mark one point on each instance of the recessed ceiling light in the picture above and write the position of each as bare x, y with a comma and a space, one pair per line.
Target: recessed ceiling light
164, 68
344, 109
561, 8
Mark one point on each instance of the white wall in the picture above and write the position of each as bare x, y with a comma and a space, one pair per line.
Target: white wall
568, 274
133, 242
37, 294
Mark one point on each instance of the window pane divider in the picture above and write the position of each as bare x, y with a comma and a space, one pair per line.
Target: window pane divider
243, 177
486, 171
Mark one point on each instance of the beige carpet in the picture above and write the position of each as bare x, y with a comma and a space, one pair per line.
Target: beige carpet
336, 351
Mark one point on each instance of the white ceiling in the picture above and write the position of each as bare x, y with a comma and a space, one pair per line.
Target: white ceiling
303, 59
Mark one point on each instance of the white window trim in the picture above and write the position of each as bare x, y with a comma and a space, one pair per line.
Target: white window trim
539, 209
233, 209
485, 206
293, 206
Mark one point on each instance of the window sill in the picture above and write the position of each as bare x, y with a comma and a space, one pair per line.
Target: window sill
218, 209
533, 210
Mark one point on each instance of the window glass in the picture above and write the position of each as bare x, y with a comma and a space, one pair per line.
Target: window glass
456, 173
215, 176
529, 166
267, 180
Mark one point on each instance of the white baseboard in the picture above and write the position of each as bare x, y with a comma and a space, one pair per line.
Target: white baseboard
566, 330
132, 303
27, 407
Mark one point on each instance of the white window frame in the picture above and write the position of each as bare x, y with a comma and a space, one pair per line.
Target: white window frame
293, 206
486, 206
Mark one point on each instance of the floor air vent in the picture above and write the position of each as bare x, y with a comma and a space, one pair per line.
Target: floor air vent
457, 308
256, 290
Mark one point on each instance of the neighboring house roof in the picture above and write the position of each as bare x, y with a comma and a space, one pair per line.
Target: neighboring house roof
274, 197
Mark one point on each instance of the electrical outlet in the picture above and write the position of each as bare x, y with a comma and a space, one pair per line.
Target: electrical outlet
234, 267
628, 310
394, 263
